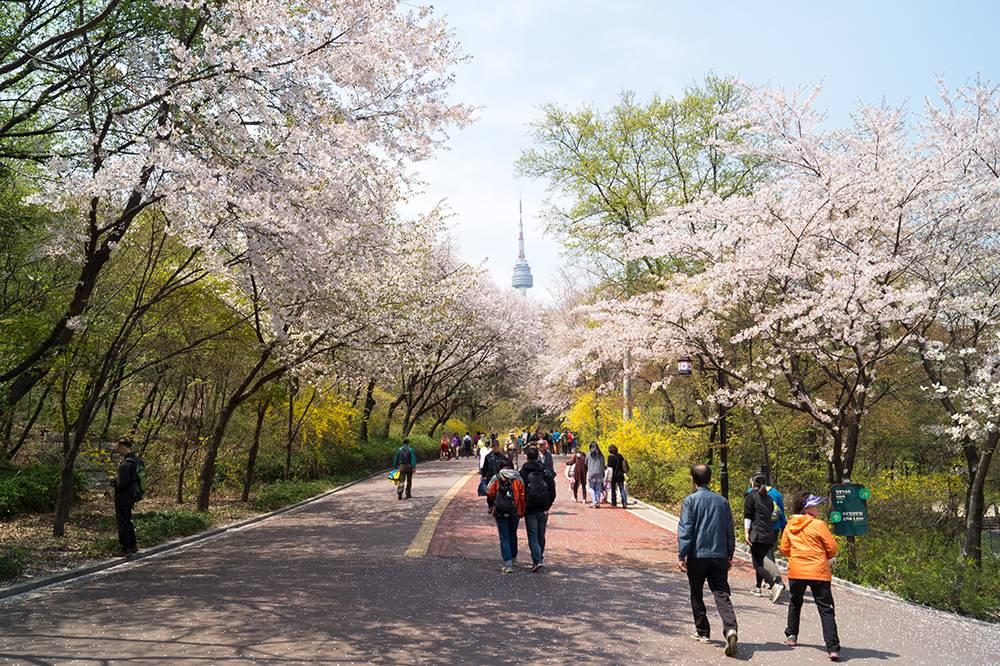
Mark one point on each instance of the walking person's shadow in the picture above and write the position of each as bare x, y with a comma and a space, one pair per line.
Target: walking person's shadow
748, 650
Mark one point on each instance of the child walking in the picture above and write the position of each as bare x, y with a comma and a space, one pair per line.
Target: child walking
809, 547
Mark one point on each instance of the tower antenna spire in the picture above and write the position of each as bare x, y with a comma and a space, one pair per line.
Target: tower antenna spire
522, 280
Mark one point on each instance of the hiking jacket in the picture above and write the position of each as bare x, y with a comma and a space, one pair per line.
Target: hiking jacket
520, 504
616, 462
757, 511
493, 463
705, 530
127, 476
550, 481
400, 458
809, 547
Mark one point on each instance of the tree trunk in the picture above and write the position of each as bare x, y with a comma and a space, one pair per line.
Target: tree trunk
207, 477
388, 417
254, 447
293, 389
366, 414
181, 468
972, 547
627, 386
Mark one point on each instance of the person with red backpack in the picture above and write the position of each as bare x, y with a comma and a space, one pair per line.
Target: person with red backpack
505, 497
539, 494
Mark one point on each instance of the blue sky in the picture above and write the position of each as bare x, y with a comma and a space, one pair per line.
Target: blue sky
524, 54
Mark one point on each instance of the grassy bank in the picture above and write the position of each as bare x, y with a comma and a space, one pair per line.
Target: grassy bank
27, 498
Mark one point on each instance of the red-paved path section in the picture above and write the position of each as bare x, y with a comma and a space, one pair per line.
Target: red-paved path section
576, 534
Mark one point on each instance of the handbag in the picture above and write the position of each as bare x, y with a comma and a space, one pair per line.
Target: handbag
394, 475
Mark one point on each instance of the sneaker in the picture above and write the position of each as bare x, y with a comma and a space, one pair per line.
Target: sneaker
834, 656
506, 570
756, 592
731, 640
791, 641
535, 567
701, 639
776, 592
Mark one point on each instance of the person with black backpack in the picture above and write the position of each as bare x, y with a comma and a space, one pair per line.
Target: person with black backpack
406, 463
619, 468
539, 495
505, 496
129, 487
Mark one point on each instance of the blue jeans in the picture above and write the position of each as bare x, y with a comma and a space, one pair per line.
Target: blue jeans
507, 528
535, 524
596, 488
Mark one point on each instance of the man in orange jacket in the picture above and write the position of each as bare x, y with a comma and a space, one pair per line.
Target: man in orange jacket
507, 503
809, 547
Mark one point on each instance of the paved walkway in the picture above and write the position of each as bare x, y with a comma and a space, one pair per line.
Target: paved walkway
330, 584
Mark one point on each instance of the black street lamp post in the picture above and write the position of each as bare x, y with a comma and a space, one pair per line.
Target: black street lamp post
684, 368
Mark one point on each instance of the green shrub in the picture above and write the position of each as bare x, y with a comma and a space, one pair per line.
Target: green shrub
153, 527
32, 489
12, 562
283, 493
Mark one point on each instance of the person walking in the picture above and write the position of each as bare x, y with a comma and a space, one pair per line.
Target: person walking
406, 462
128, 489
809, 547
595, 474
758, 508
580, 475
618, 466
706, 541
506, 501
494, 461
466, 450
778, 519
546, 457
540, 494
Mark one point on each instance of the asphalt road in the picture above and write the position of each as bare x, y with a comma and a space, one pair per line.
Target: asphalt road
330, 584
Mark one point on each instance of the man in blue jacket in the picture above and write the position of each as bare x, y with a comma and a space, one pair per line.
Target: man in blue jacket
706, 541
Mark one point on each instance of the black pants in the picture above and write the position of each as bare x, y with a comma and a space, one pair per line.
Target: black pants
823, 595
405, 480
758, 551
577, 483
126, 530
716, 572
618, 488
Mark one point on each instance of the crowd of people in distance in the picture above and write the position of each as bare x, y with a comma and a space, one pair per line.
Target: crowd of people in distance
705, 534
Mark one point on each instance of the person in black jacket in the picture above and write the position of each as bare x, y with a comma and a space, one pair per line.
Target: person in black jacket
126, 487
540, 494
757, 514
616, 462
494, 462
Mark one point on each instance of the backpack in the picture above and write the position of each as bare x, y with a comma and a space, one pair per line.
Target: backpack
138, 487
503, 505
536, 489
775, 511
404, 455
625, 467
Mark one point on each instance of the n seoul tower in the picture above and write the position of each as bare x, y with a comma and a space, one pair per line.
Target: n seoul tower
522, 280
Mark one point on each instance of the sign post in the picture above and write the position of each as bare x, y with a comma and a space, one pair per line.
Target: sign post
849, 509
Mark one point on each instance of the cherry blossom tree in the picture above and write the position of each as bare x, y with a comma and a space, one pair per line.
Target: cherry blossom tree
244, 122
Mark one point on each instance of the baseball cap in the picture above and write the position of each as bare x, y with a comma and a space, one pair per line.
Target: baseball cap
814, 500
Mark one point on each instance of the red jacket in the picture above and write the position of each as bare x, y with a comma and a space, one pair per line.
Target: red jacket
520, 503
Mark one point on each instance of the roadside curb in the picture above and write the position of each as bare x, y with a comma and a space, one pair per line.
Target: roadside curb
34, 585
744, 553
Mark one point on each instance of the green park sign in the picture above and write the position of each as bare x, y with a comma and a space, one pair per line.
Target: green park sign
849, 509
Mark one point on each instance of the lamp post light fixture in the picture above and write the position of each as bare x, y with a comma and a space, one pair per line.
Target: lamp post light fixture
684, 366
